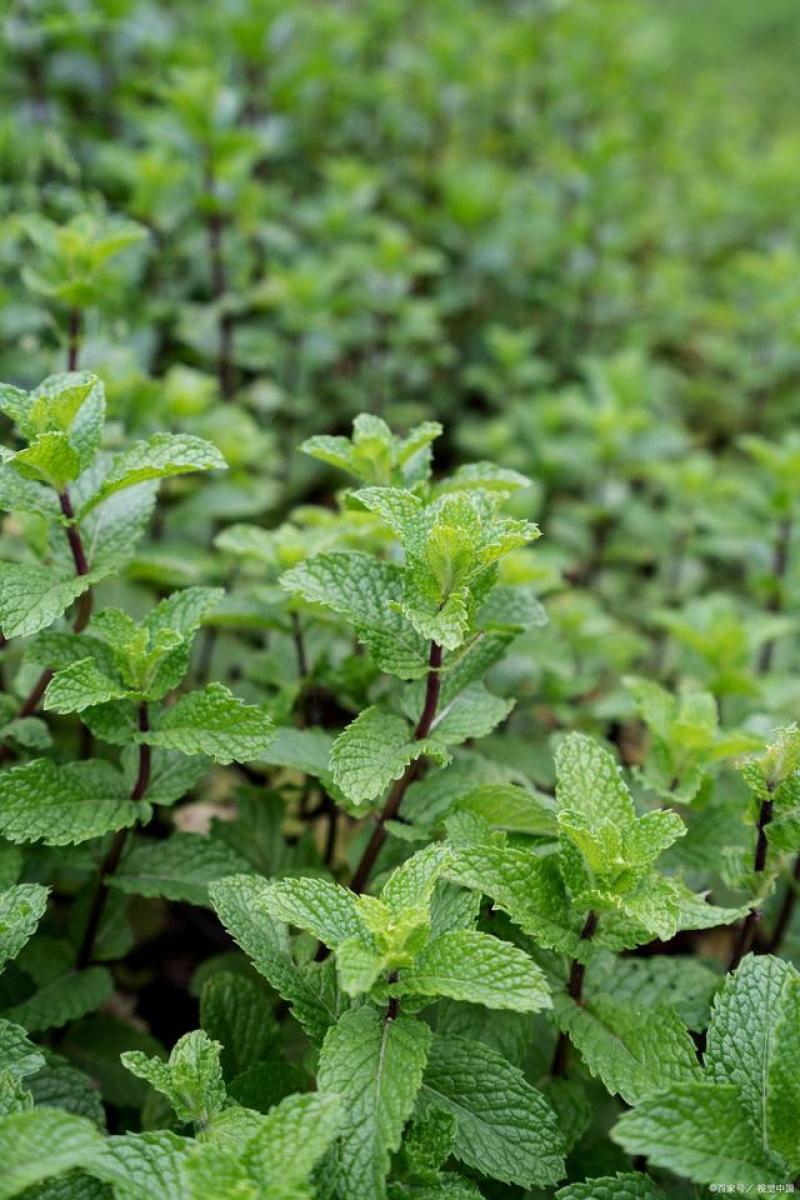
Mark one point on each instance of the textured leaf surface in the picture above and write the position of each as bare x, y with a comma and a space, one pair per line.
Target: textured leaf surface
590, 781
612, 1187
241, 905
18, 1056
21, 909
80, 685
634, 1051
467, 965
374, 750
179, 868
216, 723
63, 805
364, 589
143, 1166
39, 1143
237, 1013
326, 910
162, 455
376, 1066
32, 597
506, 1128
699, 1130
191, 1079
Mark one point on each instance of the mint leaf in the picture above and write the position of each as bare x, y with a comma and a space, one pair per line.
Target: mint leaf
376, 1066
21, 909
161, 456
635, 1051
18, 1056
179, 868
64, 805
79, 686
214, 722
40, 1143
466, 965
242, 905
326, 910
32, 597
506, 1129
612, 1187
374, 750
191, 1079
63, 1000
700, 1130
237, 1013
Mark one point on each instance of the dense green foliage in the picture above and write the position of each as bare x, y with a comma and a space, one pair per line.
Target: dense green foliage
356, 844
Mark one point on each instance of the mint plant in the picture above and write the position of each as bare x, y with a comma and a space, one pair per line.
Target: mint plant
356, 843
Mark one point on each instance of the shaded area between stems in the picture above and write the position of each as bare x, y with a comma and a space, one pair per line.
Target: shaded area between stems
112, 859
575, 991
390, 809
786, 911
747, 929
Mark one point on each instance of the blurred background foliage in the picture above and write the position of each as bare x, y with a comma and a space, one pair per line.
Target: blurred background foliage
567, 230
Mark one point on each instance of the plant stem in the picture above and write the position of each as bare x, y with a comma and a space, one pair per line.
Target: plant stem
393, 1007
112, 859
82, 613
747, 929
84, 610
74, 338
575, 991
780, 565
390, 809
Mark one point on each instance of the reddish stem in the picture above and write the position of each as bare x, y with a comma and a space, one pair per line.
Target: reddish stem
390, 809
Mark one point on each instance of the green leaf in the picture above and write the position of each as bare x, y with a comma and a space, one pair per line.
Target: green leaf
590, 782
242, 907
60, 1086
63, 1000
376, 1066
79, 686
635, 1051
180, 867
467, 965
42, 1142
214, 722
275, 1160
504, 806
412, 883
161, 456
50, 459
64, 805
752, 1044
506, 1129
191, 1079
326, 910
374, 750
699, 1130
364, 589
21, 909
237, 1013
524, 885
32, 597
18, 1056
473, 714
612, 1187
143, 1166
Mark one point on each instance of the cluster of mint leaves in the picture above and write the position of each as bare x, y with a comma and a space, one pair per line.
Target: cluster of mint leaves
469, 908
